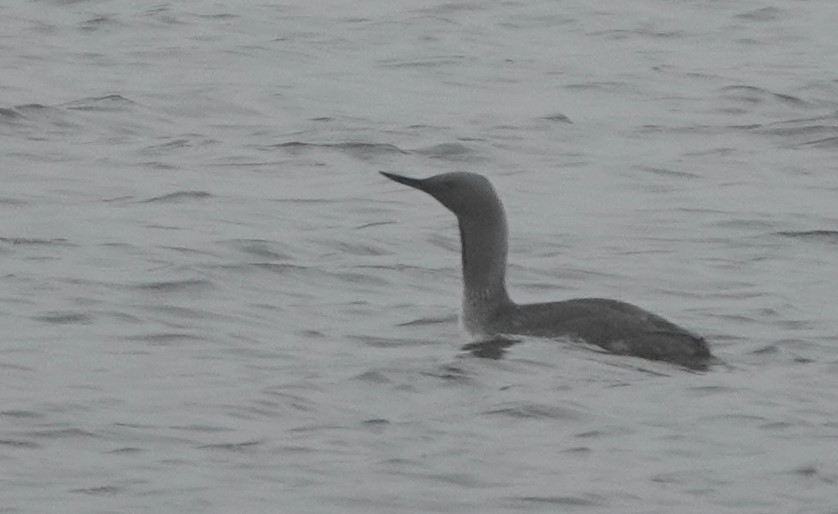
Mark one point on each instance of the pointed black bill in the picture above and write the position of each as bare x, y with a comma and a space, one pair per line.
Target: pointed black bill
412, 182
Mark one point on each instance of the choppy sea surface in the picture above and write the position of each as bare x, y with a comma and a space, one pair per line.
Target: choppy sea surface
210, 300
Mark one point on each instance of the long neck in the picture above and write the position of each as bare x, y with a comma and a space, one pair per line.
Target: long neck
484, 249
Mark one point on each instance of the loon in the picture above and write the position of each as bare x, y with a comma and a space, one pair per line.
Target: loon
488, 311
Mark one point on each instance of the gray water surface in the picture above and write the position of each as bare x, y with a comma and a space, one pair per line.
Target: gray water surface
210, 301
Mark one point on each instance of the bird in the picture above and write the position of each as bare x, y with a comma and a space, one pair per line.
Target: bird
488, 311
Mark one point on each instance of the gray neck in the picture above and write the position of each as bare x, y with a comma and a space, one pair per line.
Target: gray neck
484, 249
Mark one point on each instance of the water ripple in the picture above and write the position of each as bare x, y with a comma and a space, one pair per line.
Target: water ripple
449, 151
592, 500
107, 103
26, 241
105, 490
534, 411
232, 447
174, 286
178, 196
65, 318
827, 236
359, 150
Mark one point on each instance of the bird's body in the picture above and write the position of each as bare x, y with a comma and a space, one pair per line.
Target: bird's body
488, 311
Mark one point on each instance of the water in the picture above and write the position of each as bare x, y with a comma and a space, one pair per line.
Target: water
212, 302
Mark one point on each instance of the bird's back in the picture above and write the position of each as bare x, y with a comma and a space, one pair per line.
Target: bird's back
616, 326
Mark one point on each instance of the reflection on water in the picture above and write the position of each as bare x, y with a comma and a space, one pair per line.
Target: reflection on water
494, 348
